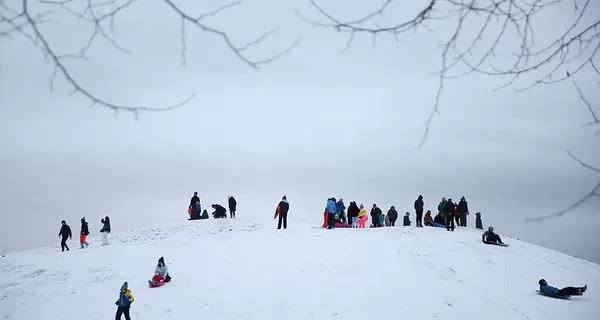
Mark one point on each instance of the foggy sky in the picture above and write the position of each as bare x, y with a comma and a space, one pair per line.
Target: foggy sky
311, 125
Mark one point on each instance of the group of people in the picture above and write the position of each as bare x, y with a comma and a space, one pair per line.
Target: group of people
196, 213
66, 234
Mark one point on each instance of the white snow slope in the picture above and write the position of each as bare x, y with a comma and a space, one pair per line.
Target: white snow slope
242, 269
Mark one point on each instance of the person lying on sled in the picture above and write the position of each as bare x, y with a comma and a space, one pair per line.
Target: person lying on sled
161, 273
551, 291
490, 236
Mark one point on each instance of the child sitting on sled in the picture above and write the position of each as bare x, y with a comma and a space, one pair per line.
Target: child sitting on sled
161, 273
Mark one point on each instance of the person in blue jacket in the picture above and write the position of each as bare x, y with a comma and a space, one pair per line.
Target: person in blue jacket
551, 291
124, 302
332, 210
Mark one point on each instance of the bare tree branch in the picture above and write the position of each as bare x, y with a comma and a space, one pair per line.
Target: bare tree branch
100, 14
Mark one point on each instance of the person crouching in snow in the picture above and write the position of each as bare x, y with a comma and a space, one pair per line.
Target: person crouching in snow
85, 231
124, 302
550, 291
105, 230
161, 273
407, 220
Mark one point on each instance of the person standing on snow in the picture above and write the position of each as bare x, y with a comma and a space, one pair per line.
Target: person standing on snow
419, 204
353, 211
375, 213
393, 215
124, 303
105, 230
449, 212
85, 231
550, 291
478, 222
64, 233
331, 208
341, 209
194, 201
407, 219
282, 211
463, 211
232, 207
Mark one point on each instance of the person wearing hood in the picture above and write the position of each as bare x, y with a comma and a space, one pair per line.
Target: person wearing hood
282, 212
195, 199
124, 303
550, 291
232, 207
161, 273
407, 219
449, 212
440, 219
419, 204
105, 230
428, 219
220, 211
441, 207
375, 213
85, 231
478, 222
64, 233
331, 209
362, 217
353, 212
463, 211
393, 215
341, 210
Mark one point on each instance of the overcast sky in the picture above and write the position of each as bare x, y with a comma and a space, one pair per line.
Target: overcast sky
311, 125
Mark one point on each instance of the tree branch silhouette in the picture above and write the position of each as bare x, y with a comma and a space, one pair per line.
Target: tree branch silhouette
500, 22
101, 14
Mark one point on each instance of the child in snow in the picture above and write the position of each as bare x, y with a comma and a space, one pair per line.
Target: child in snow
161, 273
478, 223
550, 291
428, 219
362, 217
406, 220
124, 302
85, 231
105, 230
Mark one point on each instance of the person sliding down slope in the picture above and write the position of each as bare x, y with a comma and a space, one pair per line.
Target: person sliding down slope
490, 236
550, 291
161, 273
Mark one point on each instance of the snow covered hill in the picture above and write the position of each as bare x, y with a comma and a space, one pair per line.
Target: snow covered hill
248, 270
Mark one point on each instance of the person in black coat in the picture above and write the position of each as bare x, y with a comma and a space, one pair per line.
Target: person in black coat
375, 214
449, 211
463, 211
419, 211
220, 211
407, 219
85, 231
105, 230
282, 212
194, 201
393, 215
64, 233
353, 212
232, 206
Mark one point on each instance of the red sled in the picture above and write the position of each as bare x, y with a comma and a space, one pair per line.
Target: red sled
157, 281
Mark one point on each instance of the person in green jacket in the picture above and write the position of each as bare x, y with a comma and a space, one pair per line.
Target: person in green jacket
441, 209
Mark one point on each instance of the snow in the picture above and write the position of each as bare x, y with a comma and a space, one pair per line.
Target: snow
247, 269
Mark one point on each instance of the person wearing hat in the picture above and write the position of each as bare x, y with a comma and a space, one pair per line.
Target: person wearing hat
449, 212
419, 204
85, 231
161, 273
124, 302
551, 291
64, 233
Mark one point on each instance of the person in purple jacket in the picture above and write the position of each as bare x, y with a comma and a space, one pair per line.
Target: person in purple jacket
551, 291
